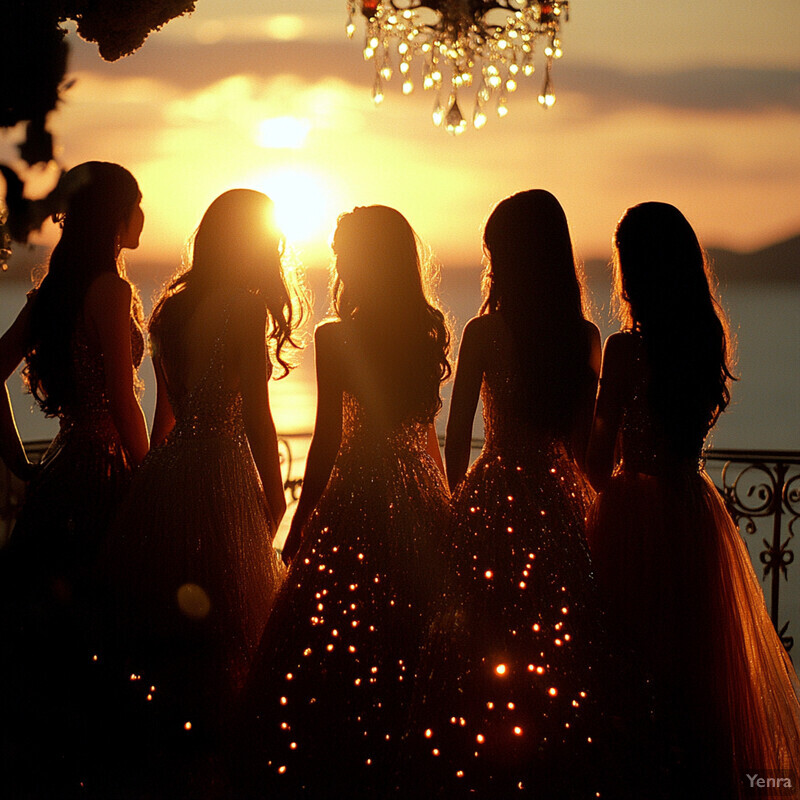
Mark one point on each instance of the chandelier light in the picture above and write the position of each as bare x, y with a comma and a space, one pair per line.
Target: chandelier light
485, 46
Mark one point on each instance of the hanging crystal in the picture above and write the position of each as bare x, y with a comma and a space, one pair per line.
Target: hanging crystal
486, 46
455, 122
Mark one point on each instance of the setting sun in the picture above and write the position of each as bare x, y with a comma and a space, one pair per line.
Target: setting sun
302, 206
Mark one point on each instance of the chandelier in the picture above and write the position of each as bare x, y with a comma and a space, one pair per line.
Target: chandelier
463, 45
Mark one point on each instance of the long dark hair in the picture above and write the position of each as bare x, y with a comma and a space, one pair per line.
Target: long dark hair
664, 292
99, 198
384, 283
531, 279
236, 245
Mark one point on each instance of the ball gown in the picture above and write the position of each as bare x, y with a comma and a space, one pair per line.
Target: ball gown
683, 597
77, 489
49, 603
328, 697
190, 562
509, 696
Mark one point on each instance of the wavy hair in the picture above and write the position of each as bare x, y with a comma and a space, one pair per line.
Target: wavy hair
97, 199
532, 280
384, 281
664, 291
236, 245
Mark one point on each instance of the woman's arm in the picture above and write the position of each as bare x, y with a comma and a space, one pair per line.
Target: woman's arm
252, 358
327, 433
583, 424
600, 455
12, 351
464, 402
163, 417
108, 307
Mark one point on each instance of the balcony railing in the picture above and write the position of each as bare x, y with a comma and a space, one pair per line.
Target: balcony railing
761, 490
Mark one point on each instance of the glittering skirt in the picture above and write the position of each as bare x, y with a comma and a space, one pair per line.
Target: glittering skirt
327, 700
683, 597
49, 606
68, 507
192, 574
508, 694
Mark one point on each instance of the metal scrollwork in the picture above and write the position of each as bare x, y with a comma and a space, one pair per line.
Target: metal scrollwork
763, 490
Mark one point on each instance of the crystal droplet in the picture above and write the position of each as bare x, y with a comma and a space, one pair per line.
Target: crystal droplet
438, 112
455, 122
377, 90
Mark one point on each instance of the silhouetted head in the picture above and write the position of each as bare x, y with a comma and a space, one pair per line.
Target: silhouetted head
100, 213
664, 291
98, 200
378, 264
238, 243
383, 283
529, 248
236, 246
531, 280
659, 266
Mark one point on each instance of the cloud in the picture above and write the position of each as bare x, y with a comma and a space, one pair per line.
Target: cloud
188, 64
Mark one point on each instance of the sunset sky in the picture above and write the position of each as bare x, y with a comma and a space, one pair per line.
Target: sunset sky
699, 107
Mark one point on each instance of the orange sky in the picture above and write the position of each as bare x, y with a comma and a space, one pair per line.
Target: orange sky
699, 108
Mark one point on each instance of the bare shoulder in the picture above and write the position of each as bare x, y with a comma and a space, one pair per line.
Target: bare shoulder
592, 332
329, 334
108, 294
482, 328
620, 351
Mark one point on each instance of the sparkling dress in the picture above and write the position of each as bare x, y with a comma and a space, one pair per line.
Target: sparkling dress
328, 697
192, 569
508, 698
683, 598
82, 479
49, 605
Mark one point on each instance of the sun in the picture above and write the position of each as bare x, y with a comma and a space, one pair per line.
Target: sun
302, 205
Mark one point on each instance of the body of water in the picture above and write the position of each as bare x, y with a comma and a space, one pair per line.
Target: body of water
764, 317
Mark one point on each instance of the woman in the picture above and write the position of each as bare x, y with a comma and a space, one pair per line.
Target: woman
191, 561
675, 573
327, 699
508, 698
80, 338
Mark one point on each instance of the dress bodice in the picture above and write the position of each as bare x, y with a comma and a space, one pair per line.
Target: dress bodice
209, 408
508, 427
91, 401
361, 430
642, 443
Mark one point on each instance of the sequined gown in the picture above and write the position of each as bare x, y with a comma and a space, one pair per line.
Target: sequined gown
83, 477
327, 701
683, 598
508, 696
191, 565
49, 603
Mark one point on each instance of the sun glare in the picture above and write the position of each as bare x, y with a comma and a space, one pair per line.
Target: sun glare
301, 205
283, 133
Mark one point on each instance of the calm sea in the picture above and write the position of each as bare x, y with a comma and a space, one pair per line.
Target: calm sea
764, 318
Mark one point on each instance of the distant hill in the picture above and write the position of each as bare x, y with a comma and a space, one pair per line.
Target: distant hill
778, 262
775, 263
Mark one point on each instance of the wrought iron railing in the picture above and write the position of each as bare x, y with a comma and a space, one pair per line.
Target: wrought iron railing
762, 493
761, 490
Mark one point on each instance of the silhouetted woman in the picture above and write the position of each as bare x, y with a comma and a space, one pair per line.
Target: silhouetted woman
674, 571
327, 700
512, 655
192, 560
80, 338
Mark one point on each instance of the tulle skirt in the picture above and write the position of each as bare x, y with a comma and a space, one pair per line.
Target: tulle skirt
684, 599
192, 574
